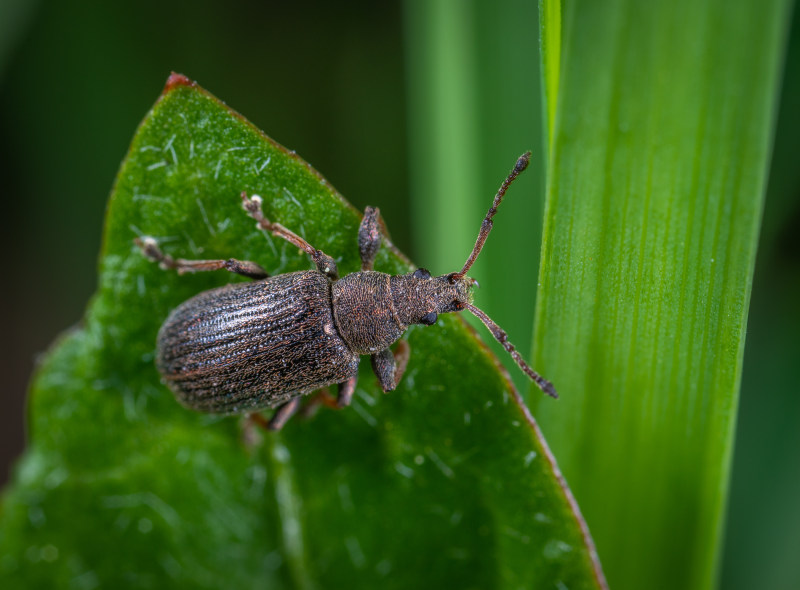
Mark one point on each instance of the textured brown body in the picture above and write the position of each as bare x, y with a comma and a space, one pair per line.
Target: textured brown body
254, 345
258, 345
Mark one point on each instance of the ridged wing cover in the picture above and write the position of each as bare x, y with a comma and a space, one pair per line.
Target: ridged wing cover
254, 345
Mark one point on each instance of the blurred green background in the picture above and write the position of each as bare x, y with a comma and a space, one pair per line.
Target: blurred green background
332, 81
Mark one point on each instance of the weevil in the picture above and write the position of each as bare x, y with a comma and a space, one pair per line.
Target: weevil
264, 344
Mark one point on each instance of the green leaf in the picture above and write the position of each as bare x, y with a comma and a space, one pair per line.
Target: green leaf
444, 483
660, 148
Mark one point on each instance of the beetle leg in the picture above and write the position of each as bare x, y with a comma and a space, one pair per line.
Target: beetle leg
257, 419
346, 391
322, 397
369, 237
283, 413
325, 264
150, 249
389, 366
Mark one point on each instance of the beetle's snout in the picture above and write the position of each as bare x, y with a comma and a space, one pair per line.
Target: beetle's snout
457, 294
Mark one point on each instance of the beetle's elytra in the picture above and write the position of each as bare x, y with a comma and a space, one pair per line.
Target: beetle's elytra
249, 346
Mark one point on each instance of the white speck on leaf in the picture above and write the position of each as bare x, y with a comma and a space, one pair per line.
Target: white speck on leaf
522, 538
356, 554
404, 470
171, 149
443, 467
554, 549
160, 164
292, 197
383, 567
264, 165
205, 217
368, 399
345, 497
49, 553
145, 525
361, 411
144, 197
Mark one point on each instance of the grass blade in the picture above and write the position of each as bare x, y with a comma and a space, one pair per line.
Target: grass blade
659, 155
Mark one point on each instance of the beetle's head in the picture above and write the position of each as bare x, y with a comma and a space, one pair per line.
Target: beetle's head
421, 297
453, 292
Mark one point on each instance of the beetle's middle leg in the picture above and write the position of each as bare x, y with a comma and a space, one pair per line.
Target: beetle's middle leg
389, 366
324, 398
369, 237
150, 249
325, 264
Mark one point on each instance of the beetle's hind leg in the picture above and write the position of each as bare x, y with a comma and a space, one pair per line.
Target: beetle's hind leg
322, 397
283, 413
276, 422
389, 366
346, 391
150, 249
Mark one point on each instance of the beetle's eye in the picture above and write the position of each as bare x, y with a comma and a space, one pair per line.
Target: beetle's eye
429, 318
421, 273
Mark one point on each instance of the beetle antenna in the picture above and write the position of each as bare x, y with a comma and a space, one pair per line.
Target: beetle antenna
501, 336
486, 226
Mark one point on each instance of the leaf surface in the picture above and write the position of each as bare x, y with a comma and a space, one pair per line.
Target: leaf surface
443, 483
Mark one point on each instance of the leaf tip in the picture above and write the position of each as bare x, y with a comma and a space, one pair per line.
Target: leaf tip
177, 80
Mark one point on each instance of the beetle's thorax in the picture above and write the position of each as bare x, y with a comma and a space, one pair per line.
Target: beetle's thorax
373, 309
364, 313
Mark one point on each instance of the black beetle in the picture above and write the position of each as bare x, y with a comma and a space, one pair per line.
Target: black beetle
249, 346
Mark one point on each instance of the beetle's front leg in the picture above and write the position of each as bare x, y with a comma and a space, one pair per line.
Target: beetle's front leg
389, 366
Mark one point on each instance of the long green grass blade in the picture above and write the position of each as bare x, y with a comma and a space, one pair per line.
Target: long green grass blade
550, 51
660, 148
